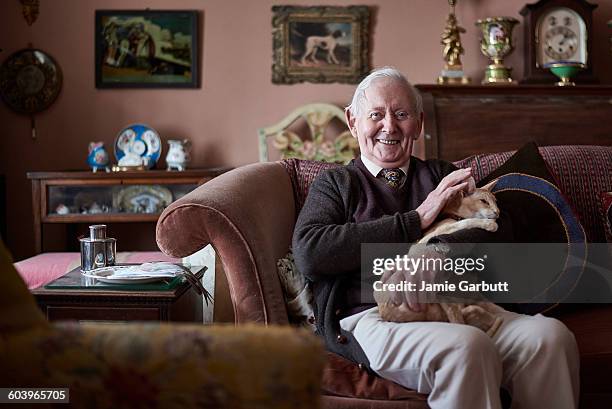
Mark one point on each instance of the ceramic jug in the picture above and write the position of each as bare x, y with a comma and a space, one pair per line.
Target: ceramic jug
178, 154
98, 157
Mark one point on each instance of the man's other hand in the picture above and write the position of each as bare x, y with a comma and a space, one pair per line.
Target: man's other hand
450, 186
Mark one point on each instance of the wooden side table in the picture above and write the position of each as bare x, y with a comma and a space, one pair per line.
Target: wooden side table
74, 297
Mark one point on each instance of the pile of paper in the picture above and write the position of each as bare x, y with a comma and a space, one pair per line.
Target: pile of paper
155, 269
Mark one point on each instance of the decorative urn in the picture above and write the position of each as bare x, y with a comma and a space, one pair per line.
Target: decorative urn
98, 157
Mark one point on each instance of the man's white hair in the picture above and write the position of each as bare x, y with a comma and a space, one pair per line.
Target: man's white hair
383, 73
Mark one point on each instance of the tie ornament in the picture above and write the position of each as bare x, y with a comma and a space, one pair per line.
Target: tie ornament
393, 177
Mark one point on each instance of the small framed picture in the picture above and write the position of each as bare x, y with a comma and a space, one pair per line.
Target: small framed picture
146, 49
320, 44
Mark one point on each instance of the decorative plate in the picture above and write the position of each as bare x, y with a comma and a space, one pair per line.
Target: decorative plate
142, 199
30, 81
138, 145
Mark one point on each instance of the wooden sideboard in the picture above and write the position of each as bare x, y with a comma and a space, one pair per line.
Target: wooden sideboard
465, 120
78, 189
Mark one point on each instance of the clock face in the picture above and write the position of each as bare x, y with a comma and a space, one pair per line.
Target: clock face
561, 35
560, 43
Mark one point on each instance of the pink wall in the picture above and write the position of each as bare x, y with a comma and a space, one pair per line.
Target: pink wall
236, 97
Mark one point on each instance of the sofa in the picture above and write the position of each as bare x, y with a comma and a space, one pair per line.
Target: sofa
248, 216
140, 365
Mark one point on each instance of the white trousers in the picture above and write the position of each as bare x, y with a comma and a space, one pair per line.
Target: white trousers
535, 358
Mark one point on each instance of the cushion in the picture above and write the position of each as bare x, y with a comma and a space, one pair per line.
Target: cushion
539, 212
302, 174
297, 292
581, 172
342, 377
43, 268
606, 209
528, 191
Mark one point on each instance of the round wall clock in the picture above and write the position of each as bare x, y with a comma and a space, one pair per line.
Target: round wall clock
30, 81
557, 30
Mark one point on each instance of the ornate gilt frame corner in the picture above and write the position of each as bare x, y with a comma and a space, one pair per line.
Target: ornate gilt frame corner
357, 16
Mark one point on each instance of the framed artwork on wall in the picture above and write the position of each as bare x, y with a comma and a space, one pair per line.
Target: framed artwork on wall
146, 49
320, 44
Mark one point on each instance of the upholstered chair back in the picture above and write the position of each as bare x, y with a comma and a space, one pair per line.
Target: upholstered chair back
582, 173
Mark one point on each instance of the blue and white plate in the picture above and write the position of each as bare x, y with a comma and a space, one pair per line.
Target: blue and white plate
138, 140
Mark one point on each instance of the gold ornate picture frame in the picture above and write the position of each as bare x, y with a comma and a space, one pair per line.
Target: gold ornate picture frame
320, 44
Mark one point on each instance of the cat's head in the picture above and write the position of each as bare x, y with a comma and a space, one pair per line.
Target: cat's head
480, 204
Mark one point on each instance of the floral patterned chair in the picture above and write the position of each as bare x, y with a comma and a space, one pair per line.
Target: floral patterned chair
314, 131
154, 365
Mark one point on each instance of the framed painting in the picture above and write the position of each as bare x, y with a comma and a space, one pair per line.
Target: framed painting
320, 44
146, 49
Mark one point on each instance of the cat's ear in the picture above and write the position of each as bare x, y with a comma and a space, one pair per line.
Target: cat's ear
490, 185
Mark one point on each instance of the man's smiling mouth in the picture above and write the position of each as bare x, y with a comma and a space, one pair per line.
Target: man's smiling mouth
387, 141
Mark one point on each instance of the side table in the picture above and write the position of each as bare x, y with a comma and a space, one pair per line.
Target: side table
74, 297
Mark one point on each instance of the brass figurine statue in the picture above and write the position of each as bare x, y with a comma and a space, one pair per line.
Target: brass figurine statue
451, 40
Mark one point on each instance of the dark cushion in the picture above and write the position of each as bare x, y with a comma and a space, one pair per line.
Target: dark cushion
582, 172
606, 209
540, 213
528, 191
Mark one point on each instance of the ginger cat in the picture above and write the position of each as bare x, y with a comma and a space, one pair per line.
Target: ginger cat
476, 210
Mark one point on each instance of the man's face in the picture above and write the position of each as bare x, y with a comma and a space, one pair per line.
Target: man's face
387, 124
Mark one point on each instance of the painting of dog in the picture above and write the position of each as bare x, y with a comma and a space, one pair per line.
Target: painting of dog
320, 44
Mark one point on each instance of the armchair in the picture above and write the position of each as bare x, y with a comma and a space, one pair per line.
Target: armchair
248, 216
154, 365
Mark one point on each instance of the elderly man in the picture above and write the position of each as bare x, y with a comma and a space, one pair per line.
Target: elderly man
388, 196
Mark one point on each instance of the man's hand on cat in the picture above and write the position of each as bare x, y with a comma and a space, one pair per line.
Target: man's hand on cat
449, 186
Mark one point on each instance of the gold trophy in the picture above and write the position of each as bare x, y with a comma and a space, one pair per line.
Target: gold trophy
451, 40
496, 43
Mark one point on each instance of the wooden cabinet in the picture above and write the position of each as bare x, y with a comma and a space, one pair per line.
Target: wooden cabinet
465, 120
116, 197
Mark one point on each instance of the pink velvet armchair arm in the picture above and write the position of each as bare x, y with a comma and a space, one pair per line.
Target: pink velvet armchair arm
247, 215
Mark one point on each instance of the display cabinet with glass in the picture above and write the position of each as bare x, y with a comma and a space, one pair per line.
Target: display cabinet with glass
116, 197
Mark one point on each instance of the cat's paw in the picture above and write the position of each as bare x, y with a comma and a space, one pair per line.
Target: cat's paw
490, 225
477, 317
